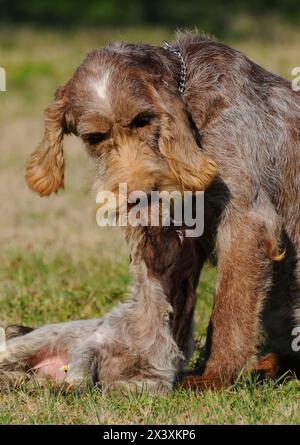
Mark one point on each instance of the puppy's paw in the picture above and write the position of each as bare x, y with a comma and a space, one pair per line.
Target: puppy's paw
138, 386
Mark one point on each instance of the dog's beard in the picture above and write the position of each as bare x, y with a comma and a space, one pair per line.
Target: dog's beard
131, 172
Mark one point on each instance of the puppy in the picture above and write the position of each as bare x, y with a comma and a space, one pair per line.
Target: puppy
132, 346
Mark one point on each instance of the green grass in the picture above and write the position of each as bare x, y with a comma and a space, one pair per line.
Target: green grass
56, 264
36, 290
244, 404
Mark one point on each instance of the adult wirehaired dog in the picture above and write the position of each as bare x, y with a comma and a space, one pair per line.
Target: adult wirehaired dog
168, 118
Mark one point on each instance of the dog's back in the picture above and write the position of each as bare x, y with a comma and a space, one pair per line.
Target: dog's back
249, 120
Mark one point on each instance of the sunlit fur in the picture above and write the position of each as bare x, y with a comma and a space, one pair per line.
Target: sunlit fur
234, 117
45, 168
172, 162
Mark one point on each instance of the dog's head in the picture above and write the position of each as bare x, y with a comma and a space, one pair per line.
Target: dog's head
123, 102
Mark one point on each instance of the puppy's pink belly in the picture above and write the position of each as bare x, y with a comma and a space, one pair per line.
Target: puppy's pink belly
51, 367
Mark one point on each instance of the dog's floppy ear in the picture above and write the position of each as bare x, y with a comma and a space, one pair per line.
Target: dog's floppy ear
193, 169
15, 330
45, 167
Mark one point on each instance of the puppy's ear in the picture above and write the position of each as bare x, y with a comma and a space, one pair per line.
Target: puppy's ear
193, 169
45, 167
15, 330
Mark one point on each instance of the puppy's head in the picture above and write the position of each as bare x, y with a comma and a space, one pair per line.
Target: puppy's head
124, 104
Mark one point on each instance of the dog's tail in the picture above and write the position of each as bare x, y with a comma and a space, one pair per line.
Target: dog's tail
45, 167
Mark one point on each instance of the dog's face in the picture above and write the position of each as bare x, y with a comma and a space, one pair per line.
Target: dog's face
132, 120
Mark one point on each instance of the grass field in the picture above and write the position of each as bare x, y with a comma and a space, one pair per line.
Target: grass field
56, 264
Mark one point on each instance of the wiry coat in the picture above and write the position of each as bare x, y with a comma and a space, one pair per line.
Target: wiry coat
235, 133
130, 347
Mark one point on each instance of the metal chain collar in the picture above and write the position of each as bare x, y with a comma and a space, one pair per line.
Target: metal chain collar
176, 51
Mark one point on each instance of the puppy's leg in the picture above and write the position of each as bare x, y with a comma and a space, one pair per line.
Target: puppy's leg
242, 284
176, 264
84, 363
45, 349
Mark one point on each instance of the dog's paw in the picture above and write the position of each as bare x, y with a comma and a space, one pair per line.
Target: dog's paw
199, 383
137, 386
267, 365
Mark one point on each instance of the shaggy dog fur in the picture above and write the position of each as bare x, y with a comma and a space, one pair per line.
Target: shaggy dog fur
132, 346
235, 118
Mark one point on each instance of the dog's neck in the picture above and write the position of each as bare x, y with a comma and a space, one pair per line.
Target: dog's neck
176, 51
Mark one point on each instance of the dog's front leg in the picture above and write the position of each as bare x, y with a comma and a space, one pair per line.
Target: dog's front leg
243, 271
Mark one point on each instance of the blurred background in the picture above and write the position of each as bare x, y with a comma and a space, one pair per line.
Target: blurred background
216, 16
50, 248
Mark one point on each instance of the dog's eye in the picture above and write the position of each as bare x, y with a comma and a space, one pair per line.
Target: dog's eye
141, 120
94, 138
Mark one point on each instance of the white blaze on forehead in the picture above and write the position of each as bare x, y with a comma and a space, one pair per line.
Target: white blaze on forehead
101, 86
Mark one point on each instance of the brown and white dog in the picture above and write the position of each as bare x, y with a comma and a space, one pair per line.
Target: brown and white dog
228, 115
